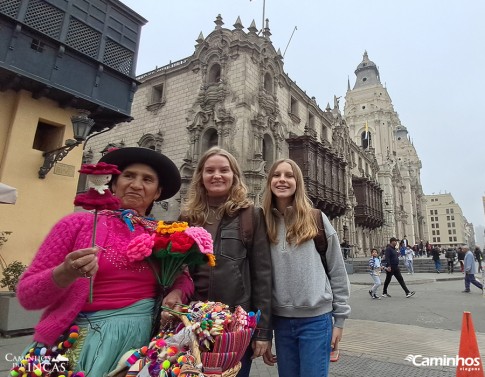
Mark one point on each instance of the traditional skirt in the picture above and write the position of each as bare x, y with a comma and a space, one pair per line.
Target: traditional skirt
105, 335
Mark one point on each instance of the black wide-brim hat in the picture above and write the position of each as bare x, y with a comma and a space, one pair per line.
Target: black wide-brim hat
168, 173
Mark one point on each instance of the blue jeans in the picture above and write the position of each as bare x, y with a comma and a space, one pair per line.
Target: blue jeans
437, 265
303, 345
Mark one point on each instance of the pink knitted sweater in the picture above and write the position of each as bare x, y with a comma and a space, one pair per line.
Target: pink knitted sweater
37, 289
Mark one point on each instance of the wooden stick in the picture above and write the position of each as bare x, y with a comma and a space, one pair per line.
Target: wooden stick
195, 342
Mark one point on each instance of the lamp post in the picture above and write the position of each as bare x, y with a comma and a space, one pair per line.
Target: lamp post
81, 125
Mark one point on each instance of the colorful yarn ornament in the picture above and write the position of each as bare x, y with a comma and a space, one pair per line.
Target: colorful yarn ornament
38, 360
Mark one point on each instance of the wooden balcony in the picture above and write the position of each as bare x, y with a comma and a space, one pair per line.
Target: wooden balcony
323, 172
368, 212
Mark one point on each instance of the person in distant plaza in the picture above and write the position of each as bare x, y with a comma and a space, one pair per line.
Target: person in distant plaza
478, 257
375, 269
421, 248
416, 250
345, 248
461, 257
450, 256
428, 249
402, 249
392, 269
408, 259
435, 253
405, 241
470, 270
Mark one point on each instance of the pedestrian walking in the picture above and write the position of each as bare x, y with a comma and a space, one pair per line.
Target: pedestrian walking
470, 270
375, 268
408, 258
478, 257
435, 253
450, 256
461, 257
392, 269
421, 248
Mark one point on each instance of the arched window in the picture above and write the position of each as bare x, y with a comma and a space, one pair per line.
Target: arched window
152, 141
366, 139
209, 140
268, 151
214, 74
268, 83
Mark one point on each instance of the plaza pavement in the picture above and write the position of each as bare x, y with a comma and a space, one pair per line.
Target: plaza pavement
370, 347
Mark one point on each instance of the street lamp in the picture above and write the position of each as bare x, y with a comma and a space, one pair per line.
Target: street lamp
81, 126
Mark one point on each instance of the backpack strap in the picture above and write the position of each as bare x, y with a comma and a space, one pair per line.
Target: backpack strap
246, 220
320, 239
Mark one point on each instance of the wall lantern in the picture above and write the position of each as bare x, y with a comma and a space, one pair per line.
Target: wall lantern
81, 125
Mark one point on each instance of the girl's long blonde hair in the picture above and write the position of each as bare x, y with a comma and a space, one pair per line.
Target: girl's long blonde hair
299, 220
196, 207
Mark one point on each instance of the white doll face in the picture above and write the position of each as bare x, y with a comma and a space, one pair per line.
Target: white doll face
99, 180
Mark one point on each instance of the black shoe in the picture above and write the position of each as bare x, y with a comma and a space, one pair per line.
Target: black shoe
371, 295
409, 294
465, 291
376, 297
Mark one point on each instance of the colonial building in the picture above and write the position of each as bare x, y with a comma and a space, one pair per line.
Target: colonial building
233, 92
447, 227
57, 58
375, 127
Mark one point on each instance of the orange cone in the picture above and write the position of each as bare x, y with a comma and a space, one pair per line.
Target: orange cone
469, 360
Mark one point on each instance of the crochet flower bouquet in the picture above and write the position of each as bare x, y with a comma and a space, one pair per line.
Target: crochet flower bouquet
175, 245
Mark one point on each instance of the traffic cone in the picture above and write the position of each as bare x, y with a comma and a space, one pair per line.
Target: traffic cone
469, 360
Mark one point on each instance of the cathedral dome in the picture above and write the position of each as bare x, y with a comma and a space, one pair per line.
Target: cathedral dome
367, 73
366, 63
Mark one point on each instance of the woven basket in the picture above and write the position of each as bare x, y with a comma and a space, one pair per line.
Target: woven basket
194, 346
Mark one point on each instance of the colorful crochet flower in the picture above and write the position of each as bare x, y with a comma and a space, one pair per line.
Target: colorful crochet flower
140, 247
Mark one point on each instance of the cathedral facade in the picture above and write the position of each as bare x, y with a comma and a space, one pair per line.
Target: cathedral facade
233, 92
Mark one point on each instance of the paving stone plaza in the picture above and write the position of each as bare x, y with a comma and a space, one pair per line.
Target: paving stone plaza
381, 333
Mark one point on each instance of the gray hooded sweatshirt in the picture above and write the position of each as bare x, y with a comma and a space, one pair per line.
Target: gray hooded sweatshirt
300, 286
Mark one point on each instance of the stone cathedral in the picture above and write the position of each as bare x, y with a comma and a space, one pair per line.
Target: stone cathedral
233, 92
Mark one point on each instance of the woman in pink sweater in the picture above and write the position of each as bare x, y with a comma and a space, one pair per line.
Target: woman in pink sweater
120, 316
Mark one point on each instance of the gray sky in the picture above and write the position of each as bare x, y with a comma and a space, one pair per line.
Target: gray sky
430, 55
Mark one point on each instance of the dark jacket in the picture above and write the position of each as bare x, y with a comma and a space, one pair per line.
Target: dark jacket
392, 259
435, 254
242, 275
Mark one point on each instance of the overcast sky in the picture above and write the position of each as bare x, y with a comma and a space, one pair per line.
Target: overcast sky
430, 55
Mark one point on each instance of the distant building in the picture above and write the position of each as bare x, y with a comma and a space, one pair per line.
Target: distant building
447, 227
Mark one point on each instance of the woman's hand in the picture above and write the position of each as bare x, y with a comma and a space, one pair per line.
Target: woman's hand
80, 263
268, 357
336, 337
173, 300
260, 347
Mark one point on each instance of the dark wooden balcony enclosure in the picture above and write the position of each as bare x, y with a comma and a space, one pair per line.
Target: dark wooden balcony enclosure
323, 172
368, 212
80, 53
